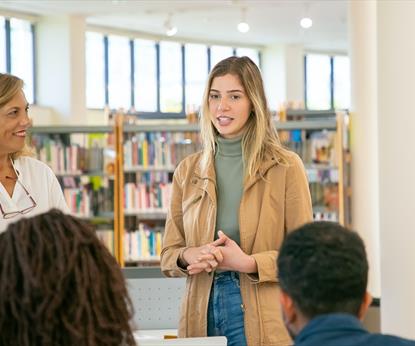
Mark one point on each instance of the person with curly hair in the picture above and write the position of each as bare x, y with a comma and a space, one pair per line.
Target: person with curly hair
59, 285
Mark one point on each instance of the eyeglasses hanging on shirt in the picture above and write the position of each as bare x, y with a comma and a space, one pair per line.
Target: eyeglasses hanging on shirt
12, 214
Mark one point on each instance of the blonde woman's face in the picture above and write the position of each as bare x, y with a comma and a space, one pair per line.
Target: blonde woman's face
14, 122
229, 106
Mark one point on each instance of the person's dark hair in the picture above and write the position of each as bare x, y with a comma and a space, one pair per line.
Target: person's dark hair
323, 268
59, 285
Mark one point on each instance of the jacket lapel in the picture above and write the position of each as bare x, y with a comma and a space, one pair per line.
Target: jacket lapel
265, 166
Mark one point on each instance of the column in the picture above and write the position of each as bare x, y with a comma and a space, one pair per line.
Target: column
61, 67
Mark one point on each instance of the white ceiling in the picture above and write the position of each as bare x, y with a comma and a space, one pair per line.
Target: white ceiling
271, 21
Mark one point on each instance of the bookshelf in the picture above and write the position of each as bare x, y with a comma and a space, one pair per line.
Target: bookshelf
141, 160
83, 160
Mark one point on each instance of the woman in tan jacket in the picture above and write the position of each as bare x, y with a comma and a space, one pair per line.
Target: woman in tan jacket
232, 205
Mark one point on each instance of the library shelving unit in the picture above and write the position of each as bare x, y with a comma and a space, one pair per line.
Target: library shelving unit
83, 159
138, 162
321, 138
150, 154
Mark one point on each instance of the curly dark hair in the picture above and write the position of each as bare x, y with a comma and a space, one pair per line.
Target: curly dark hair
59, 285
323, 268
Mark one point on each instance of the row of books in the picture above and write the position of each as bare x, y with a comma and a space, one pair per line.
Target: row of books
314, 147
75, 154
142, 244
322, 175
147, 197
325, 195
325, 216
88, 196
157, 149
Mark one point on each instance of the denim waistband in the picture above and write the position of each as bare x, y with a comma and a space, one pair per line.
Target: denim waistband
228, 275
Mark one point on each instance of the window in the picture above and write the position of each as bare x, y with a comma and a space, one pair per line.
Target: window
21, 38
196, 74
3, 67
341, 67
153, 77
145, 76
250, 53
218, 53
171, 89
318, 82
327, 82
95, 70
119, 72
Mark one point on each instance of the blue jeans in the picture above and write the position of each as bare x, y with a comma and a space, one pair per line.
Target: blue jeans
225, 310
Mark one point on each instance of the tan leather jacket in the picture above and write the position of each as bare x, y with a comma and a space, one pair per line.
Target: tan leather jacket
269, 209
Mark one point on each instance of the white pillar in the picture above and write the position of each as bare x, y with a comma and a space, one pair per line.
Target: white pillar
61, 67
294, 67
364, 132
273, 74
283, 74
396, 91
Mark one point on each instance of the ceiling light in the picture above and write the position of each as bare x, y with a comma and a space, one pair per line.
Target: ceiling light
306, 23
243, 25
170, 29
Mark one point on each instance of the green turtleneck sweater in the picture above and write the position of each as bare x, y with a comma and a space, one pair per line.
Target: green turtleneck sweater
229, 184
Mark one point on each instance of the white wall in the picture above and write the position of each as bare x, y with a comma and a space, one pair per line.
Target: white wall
396, 76
61, 67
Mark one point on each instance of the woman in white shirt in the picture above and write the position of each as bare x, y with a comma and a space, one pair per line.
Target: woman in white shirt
27, 186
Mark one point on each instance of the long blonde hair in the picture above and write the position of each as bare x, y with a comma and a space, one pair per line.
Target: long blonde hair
260, 139
9, 86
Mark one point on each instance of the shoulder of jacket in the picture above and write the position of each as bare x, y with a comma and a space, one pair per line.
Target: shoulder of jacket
189, 162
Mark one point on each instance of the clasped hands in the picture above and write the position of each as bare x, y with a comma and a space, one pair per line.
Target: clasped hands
223, 253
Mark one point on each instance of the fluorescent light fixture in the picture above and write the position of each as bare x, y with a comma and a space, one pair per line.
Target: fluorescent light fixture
243, 27
306, 23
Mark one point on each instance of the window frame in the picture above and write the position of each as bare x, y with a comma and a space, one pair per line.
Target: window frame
332, 57
8, 46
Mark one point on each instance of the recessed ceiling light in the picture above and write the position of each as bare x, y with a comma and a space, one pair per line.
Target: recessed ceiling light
306, 22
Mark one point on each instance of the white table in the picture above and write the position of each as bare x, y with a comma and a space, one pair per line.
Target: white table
156, 338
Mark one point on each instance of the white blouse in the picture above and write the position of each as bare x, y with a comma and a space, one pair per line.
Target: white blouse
42, 185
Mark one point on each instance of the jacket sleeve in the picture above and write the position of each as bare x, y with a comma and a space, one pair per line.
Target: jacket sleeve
174, 242
298, 210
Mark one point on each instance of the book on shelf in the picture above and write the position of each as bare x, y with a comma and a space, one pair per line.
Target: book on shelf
142, 244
